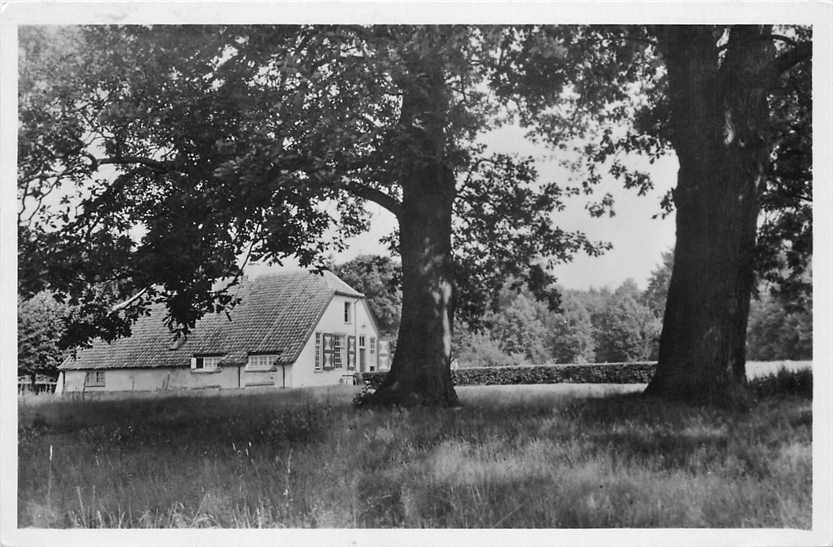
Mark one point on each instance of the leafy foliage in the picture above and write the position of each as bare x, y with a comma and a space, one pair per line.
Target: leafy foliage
626, 330
596, 325
785, 236
472, 348
174, 155
657, 289
571, 332
617, 105
502, 213
777, 331
40, 327
520, 328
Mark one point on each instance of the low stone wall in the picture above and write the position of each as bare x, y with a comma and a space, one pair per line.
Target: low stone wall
592, 373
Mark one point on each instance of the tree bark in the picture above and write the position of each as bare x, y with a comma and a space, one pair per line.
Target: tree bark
420, 373
421, 370
718, 121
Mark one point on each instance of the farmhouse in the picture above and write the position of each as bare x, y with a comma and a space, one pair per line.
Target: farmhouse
289, 330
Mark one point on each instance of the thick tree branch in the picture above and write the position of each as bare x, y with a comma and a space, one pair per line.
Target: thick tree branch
122, 305
22, 200
371, 194
157, 165
324, 176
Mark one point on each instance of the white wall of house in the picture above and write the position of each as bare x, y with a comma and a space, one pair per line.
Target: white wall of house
152, 379
164, 379
282, 377
332, 322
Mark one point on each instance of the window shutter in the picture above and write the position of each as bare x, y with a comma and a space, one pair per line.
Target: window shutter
317, 351
193, 362
351, 352
338, 350
328, 351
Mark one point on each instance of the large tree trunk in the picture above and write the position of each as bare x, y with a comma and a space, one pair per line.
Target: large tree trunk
420, 373
719, 116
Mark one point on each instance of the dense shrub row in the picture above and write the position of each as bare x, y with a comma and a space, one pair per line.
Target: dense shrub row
597, 373
784, 382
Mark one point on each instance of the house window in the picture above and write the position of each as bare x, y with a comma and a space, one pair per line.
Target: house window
94, 378
264, 361
348, 316
372, 345
317, 351
351, 353
361, 341
327, 351
205, 363
334, 350
338, 347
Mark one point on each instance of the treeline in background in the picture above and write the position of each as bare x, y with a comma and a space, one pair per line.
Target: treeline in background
596, 325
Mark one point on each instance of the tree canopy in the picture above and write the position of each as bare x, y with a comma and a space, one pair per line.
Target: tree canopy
619, 100
172, 152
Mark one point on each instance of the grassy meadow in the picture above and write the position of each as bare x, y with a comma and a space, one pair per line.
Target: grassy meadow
512, 456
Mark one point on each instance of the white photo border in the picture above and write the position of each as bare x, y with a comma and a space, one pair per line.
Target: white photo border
819, 14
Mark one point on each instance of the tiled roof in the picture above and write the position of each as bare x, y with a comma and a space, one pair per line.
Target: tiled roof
277, 314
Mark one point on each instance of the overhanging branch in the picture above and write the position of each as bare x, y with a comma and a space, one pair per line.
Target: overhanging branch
371, 194
325, 177
122, 305
156, 165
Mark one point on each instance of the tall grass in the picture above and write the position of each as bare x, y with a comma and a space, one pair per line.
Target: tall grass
512, 456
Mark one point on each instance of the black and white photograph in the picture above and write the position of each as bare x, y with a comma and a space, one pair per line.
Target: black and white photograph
349, 268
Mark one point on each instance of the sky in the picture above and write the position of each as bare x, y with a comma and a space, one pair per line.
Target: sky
638, 239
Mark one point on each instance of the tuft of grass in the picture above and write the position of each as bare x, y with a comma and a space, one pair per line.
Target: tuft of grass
512, 456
